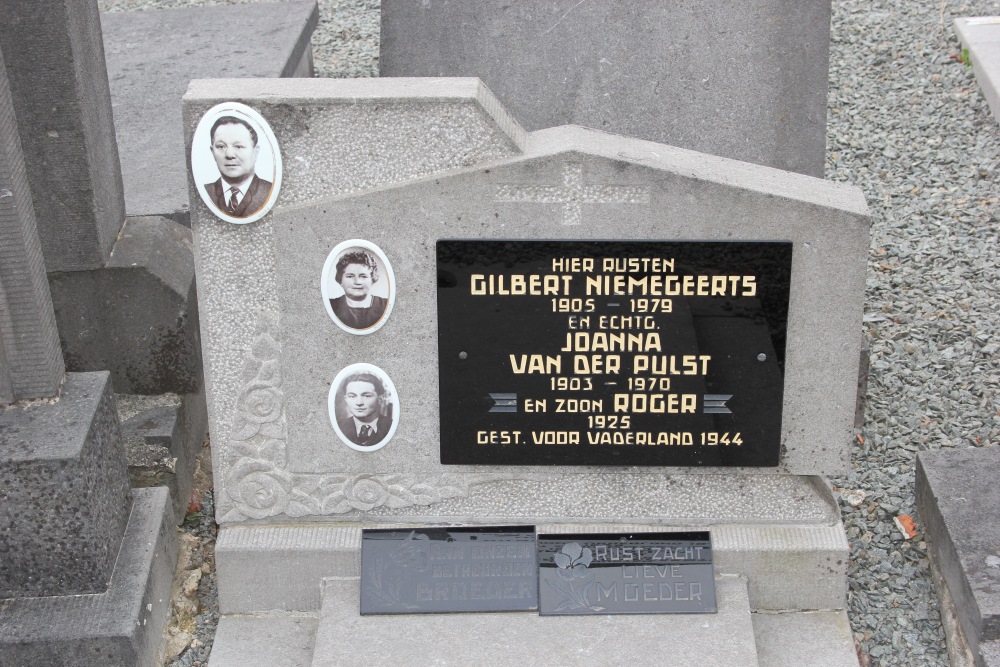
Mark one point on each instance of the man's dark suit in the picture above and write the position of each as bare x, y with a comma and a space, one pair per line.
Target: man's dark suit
255, 198
347, 427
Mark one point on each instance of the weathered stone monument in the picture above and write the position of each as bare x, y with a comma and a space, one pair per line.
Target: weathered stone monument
123, 290
957, 497
425, 202
85, 564
749, 83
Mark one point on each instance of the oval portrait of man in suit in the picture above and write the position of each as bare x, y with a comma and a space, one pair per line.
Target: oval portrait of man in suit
236, 163
364, 407
358, 286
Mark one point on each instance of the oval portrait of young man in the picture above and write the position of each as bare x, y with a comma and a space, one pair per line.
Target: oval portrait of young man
364, 407
236, 163
358, 287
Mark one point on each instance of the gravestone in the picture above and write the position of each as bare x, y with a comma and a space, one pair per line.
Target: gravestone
407, 171
151, 57
123, 291
86, 565
747, 83
955, 490
980, 36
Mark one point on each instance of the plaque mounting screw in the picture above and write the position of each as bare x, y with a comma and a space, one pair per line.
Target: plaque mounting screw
463, 355
760, 357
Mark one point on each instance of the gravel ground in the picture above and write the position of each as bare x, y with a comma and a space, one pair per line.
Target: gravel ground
909, 126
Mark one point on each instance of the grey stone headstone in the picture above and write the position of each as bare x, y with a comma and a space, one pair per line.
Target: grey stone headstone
746, 81
59, 83
31, 364
403, 162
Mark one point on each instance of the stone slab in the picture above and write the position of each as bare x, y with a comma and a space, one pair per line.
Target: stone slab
981, 36
748, 84
990, 653
122, 626
263, 568
794, 639
31, 364
344, 637
137, 316
151, 57
66, 127
362, 159
264, 641
63, 491
956, 495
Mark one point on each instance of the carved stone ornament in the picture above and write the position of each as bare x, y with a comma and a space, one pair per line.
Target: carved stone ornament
254, 460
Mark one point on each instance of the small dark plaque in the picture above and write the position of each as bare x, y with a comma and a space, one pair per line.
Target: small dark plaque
612, 353
621, 573
427, 570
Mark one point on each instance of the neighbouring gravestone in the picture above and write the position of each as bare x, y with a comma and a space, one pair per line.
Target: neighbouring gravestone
980, 35
749, 83
123, 291
86, 566
423, 203
151, 57
957, 497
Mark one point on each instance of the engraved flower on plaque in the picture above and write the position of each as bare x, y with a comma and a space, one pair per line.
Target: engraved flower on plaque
575, 580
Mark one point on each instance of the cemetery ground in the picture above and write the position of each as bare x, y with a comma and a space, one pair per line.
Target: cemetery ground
909, 126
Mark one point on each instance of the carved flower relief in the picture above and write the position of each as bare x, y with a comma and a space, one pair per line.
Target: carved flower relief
259, 410
260, 493
573, 561
365, 492
261, 405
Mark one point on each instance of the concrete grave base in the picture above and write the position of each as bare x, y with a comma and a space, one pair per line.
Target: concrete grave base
122, 626
787, 566
797, 638
340, 636
958, 498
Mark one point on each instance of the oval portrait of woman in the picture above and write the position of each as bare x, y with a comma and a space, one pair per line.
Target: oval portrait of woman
364, 407
236, 163
358, 286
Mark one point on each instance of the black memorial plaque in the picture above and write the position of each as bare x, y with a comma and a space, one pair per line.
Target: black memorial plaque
623, 573
612, 353
428, 570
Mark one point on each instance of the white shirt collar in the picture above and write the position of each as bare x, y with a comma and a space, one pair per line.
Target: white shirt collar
364, 303
373, 425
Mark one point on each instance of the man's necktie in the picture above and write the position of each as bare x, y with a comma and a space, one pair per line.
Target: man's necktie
366, 432
234, 198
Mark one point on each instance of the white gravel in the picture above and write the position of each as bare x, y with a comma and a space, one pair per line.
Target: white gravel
907, 124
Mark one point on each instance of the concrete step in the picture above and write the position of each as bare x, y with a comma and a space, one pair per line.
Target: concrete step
344, 637
151, 58
780, 639
264, 640
804, 638
787, 566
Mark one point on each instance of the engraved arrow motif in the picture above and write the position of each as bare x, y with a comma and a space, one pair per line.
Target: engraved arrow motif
715, 404
504, 402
